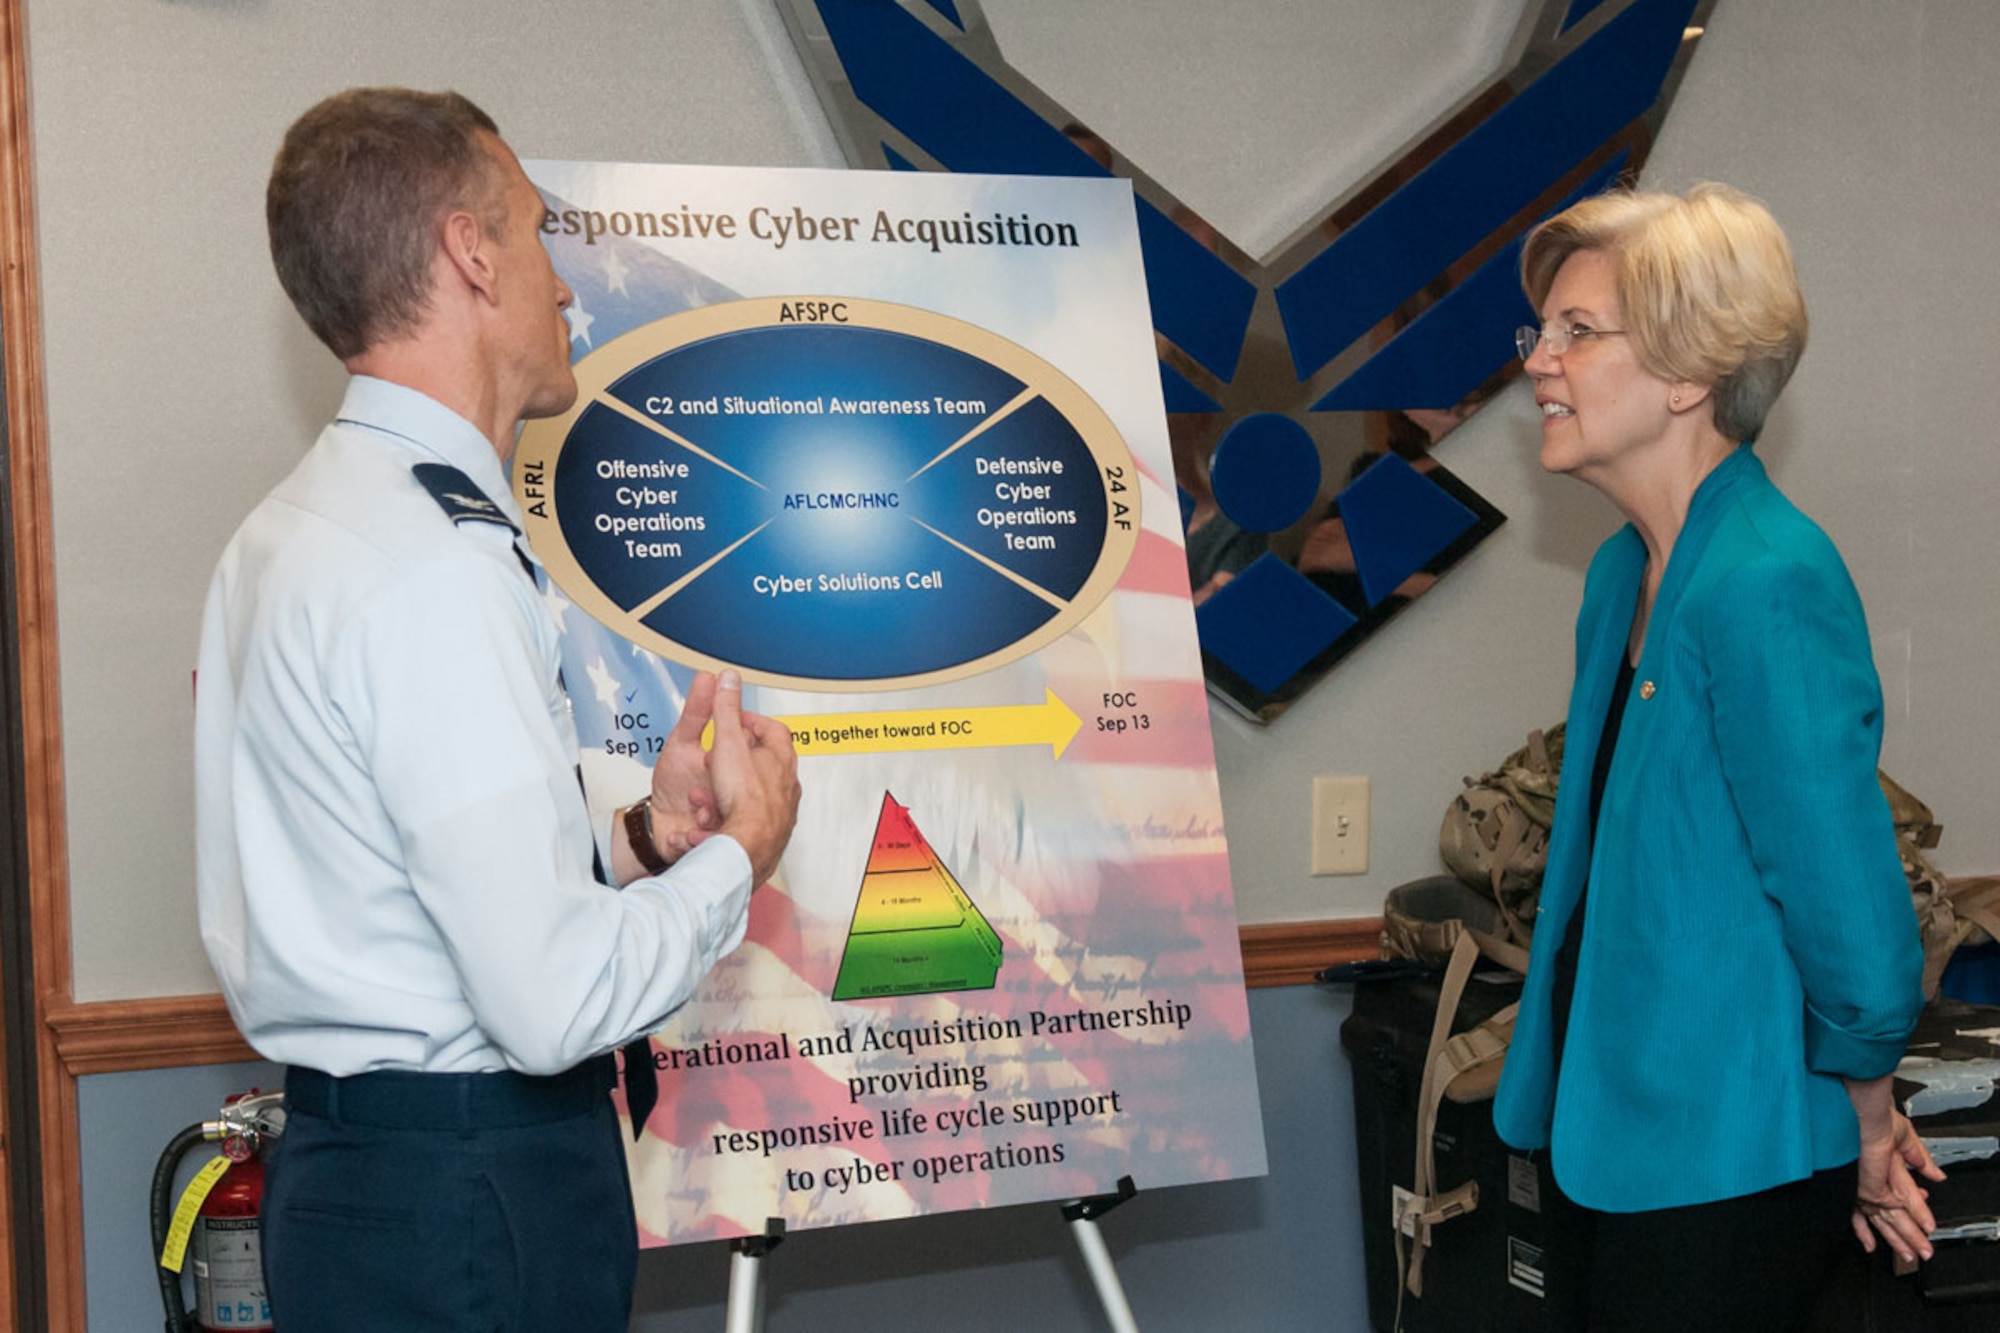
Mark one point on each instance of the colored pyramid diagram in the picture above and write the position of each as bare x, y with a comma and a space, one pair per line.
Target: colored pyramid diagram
915, 931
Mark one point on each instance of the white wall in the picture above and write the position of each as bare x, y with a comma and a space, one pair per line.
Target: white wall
1258, 115
181, 386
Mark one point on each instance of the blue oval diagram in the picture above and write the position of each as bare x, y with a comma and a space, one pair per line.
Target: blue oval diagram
883, 498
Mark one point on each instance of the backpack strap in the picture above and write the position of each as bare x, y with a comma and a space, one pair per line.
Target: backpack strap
1472, 1059
1465, 1060
1512, 956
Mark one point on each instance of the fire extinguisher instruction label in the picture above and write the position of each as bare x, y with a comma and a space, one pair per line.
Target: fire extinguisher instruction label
174, 1253
229, 1275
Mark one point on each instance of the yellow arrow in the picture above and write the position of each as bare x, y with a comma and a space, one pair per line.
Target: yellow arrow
1050, 723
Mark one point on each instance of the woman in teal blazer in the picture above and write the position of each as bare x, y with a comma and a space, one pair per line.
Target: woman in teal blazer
1726, 965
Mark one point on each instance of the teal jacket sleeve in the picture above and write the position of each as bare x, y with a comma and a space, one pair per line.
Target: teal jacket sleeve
1798, 725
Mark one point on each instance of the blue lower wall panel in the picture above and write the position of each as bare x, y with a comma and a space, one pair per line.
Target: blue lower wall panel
1278, 1253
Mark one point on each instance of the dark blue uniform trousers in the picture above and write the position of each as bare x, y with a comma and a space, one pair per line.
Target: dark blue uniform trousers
470, 1203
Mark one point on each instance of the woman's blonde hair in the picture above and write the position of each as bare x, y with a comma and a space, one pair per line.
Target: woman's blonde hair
1707, 285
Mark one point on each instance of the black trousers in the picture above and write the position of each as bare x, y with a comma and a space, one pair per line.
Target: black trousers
1757, 1262
450, 1203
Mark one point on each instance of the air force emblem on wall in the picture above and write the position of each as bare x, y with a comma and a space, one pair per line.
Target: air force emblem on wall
1304, 390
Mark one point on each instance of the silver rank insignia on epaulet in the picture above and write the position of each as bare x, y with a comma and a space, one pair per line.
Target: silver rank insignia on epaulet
461, 500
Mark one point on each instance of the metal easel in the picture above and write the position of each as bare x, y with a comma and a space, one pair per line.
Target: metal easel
1082, 1217
745, 1312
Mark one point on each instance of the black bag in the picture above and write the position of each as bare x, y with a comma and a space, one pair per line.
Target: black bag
1491, 1267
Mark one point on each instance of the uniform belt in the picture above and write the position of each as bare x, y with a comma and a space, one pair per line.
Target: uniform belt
406, 1099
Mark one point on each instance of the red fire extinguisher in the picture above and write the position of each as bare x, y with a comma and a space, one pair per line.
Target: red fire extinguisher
214, 1230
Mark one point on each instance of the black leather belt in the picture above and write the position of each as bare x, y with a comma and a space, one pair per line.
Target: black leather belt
405, 1099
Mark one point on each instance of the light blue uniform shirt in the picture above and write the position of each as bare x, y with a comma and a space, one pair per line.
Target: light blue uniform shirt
393, 854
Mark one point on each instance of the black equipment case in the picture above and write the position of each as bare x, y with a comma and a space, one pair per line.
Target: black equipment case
1491, 1269
1502, 1266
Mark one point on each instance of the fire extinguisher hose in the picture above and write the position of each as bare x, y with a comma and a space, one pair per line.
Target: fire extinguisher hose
162, 1209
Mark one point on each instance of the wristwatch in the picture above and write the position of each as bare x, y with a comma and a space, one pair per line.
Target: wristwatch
639, 832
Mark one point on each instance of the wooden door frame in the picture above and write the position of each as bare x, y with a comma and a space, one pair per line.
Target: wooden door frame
40, 797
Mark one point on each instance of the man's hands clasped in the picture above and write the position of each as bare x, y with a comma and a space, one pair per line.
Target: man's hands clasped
746, 785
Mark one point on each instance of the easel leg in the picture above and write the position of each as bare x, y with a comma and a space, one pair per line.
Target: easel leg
1082, 1218
745, 1311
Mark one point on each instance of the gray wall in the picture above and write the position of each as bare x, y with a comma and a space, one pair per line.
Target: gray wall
180, 386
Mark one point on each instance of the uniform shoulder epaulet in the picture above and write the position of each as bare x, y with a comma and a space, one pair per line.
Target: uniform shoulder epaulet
456, 494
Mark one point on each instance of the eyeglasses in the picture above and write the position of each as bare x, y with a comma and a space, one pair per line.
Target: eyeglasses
1557, 336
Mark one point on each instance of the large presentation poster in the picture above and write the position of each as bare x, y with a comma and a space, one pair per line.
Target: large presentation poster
892, 445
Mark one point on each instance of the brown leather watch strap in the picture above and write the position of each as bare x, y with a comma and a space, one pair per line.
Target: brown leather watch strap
639, 832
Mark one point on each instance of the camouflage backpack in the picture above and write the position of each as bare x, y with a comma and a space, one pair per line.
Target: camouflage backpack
1496, 832
1948, 914
1496, 839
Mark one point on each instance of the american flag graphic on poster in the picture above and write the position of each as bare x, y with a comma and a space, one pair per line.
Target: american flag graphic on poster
892, 446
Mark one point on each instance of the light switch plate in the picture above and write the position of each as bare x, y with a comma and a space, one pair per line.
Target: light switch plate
1340, 826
